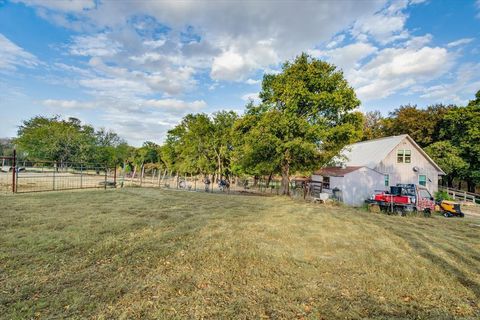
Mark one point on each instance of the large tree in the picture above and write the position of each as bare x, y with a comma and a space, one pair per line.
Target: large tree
374, 125
59, 140
462, 128
423, 125
305, 117
448, 157
201, 144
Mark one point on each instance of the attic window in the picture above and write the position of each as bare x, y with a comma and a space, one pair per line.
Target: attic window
404, 156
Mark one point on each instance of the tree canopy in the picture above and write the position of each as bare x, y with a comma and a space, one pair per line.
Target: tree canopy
59, 140
305, 117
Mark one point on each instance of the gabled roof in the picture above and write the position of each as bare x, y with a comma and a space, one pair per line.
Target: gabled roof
370, 153
335, 171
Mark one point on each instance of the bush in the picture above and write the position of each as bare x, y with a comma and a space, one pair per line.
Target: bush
442, 195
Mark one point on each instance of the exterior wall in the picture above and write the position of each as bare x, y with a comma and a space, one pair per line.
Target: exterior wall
360, 184
334, 181
356, 186
403, 172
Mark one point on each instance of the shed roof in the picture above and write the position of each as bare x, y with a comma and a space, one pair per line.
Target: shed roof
336, 171
370, 153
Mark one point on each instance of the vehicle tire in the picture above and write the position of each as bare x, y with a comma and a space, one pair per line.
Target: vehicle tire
399, 211
427, 213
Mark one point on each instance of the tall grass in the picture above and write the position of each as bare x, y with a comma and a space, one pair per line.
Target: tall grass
147, 253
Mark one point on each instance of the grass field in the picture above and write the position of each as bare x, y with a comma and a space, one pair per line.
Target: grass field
148, 253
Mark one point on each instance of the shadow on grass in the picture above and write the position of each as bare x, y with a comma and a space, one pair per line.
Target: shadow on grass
419, 242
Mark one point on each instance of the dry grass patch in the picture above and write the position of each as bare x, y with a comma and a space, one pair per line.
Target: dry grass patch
147, 253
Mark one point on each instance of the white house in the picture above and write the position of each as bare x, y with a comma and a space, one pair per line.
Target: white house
364, 167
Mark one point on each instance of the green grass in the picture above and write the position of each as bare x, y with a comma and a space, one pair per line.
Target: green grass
146, 253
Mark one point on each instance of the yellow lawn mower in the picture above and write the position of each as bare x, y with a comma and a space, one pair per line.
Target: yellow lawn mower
450, 209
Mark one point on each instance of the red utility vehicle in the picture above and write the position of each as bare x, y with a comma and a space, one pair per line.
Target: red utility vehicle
404, 198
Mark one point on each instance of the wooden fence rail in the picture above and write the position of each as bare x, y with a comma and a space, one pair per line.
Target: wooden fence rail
462, 195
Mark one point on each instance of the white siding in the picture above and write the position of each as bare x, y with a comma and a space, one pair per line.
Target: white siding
356, 186
403, 172
360, 184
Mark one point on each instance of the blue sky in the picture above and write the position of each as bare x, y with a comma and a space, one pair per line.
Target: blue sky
138, 67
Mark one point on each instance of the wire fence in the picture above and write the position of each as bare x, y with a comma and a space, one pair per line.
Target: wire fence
36, 176
27, 176
51, 176
199, 183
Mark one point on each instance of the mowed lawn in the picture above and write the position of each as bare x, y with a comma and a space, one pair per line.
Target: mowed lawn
148, 253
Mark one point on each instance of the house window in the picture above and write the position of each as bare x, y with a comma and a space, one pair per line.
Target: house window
408, 156
404, 156
387, 180
326, 182
422, 180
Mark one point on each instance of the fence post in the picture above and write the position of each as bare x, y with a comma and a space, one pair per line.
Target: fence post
105, 183
115, 176
14, 171
54, 171
81, 176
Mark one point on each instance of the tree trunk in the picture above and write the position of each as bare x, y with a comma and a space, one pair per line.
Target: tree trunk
471, 186
220, 169
449, 182
269, 180
459, 185
285, 187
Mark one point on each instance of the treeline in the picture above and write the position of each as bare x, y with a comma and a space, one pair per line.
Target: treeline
306, 115
449, 134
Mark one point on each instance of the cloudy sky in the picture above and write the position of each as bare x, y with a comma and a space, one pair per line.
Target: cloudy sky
138, 67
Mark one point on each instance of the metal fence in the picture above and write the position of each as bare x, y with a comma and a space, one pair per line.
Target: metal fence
37, 176
240, 185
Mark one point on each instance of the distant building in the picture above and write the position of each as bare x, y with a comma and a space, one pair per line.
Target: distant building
364, 167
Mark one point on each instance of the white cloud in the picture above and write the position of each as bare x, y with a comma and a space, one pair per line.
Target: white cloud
68, 104
137, 128
239, 37
460, 42
176, 106
463, 87
12, 56
229, 66
135, 120
253, 81
155, 44
394, 69
336, 41
95, 46
62, 5
252, 96
349, 56
477, 4
385, 26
